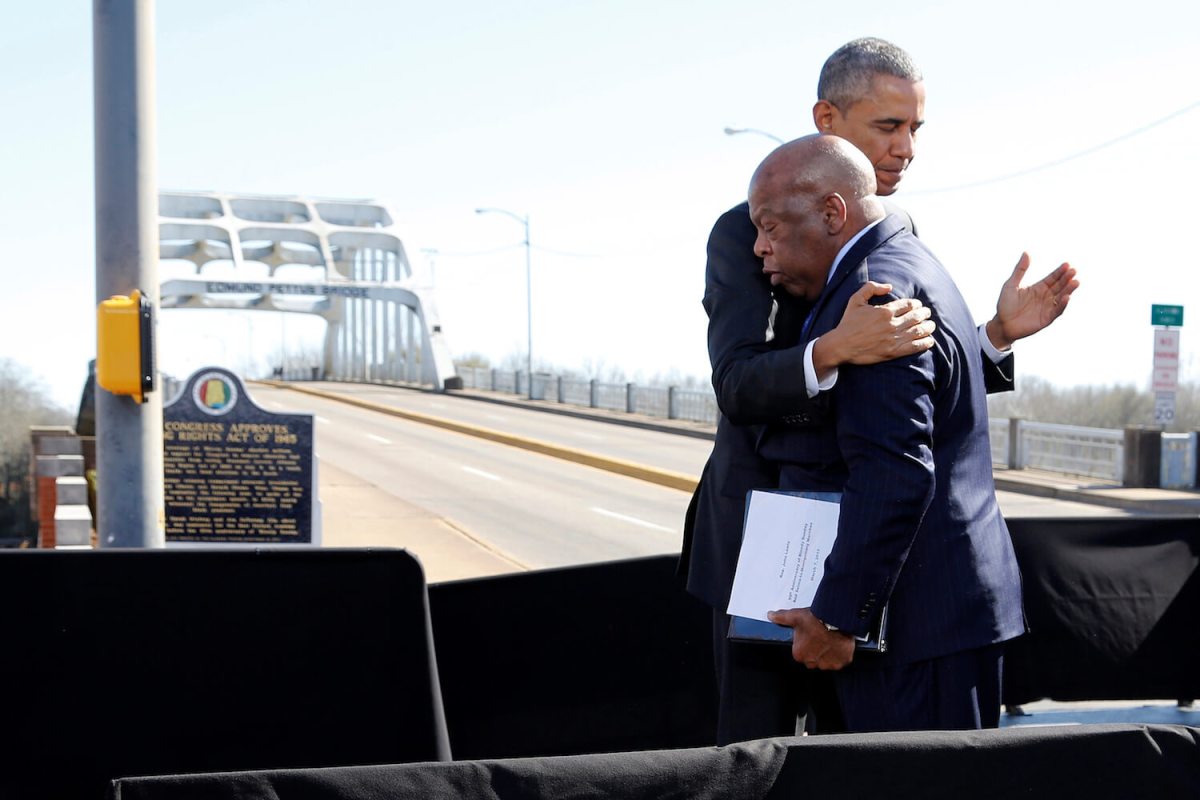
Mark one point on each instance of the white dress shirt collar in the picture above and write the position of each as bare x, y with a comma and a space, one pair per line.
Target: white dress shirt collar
846, 247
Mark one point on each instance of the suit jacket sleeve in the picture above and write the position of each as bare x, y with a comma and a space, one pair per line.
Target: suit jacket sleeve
755, 379
888, 451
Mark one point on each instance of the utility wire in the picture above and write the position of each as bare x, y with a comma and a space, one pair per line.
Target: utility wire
985, 182
1057, 162
474, 254
568, 253
509, 247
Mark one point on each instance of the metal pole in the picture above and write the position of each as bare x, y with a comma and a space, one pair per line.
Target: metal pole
524, 220
528, 309
129, 466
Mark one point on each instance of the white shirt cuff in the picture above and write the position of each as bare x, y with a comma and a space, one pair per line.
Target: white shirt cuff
811, 384
989, 349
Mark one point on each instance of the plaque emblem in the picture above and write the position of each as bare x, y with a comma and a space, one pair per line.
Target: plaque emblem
214, 394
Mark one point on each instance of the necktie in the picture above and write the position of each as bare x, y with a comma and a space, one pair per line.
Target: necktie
808, 321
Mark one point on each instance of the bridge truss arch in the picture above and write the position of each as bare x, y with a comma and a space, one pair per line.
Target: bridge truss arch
337, 259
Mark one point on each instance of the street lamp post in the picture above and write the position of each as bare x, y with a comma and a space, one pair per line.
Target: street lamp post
431, 253
736, 131
524, 220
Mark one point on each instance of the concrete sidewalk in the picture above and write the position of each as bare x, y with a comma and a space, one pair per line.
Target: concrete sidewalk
1041, 483
1145, 712
358, 514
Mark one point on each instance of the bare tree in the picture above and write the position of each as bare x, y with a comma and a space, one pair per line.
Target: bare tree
473, 360
1114, 406
24, 402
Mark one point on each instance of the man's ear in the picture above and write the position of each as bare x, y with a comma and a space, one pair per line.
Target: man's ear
834, 213
823, 113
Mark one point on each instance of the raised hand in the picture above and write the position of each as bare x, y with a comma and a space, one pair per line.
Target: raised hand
1024, 310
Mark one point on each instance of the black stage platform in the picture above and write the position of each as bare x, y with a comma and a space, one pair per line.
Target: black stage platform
155, 662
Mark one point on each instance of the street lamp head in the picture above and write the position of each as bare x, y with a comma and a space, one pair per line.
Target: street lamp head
736, 131
524, 220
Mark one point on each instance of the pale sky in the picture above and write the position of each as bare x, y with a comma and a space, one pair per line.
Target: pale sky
603, 122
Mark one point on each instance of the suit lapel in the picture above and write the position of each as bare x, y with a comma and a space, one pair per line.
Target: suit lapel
850, 265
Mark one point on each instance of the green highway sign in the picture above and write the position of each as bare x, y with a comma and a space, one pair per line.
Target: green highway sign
1166, 315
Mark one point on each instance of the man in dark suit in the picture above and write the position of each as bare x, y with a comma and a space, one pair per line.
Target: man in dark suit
920, 531
872, 94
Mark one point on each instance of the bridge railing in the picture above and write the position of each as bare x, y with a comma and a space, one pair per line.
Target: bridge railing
1016, 443
1070, 449
665, 402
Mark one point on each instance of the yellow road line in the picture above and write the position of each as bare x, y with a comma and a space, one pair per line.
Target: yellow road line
660, 477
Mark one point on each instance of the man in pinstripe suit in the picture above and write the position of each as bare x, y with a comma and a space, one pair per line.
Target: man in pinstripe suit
920, 531
871, 93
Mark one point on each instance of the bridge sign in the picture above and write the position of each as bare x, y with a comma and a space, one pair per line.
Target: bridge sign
1166, 315
1164, 408
1165, 378
1166, 360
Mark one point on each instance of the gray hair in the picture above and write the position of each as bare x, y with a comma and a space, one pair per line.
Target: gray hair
846, 77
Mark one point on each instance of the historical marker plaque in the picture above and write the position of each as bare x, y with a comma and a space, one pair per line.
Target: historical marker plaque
235, 473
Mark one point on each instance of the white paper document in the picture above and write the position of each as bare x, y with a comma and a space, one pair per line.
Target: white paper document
784, 545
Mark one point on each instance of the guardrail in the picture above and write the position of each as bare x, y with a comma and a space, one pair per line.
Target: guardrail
664, 402
1070, 449
1157, 459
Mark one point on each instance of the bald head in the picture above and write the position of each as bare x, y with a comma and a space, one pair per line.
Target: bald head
807, 199
811, 166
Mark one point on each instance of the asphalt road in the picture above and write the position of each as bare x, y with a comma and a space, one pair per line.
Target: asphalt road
535, 511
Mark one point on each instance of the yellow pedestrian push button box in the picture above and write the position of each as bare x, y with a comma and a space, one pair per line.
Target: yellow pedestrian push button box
125, 345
